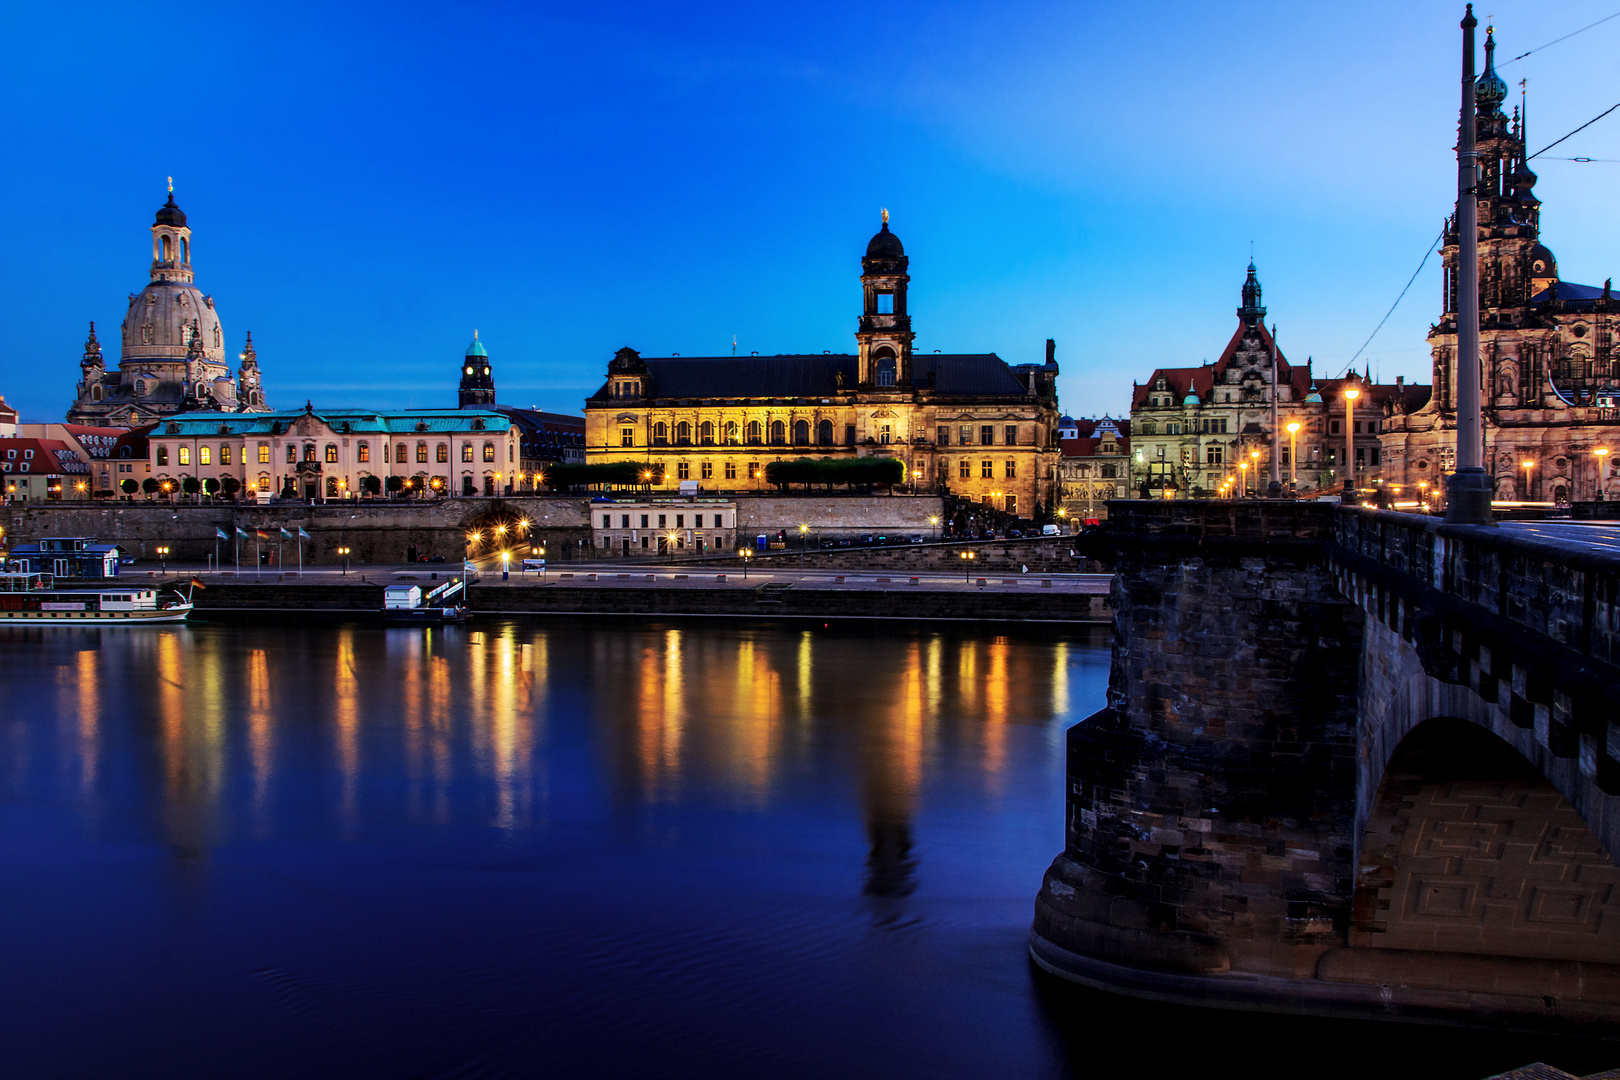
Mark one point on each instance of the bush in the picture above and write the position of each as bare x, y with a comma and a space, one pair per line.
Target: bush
190, 485
396, 484
232, 485
371, 485
616, 474
130, 487
809, 471
211, 486
150, 486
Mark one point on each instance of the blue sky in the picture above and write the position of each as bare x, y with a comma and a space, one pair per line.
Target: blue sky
369, 183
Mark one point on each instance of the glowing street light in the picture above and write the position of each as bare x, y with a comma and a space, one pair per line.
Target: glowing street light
745, 552
1600, 453
163, 558
1243, 478
967, 565
1293, 452
1350, 395
343, 551
1527, 465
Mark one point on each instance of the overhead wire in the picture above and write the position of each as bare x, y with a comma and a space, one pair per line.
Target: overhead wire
1583, 127
1421, 264
1555, 41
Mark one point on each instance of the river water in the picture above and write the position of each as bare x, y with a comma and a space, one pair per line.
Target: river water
567, 847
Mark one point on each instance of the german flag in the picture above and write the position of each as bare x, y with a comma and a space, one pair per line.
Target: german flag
196, 583
262, 534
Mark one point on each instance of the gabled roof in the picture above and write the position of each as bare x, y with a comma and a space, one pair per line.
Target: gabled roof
1203, 379
51, 457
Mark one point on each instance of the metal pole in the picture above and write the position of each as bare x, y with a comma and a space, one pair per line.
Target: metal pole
1275, 489
1469, 488
1350, 442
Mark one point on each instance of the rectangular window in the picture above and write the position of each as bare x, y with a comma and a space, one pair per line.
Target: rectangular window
1374, 452
1012, 434
1012, 504
607, 521
363, 452
185, 455
225, 455
680, 521
683, 470
987, 470
204, 457
661, 520
697, 521
292, 453
731, 470
964, 435
162, 455
753, 470
264, 453
331, 454
964, 469
708, 470
885, 303
1361, 457
944, 436
885, 435
643, 521
466, 451
421, 452
1012, 470
987, 435
1333, 427
1214, 455
627, 436
443, 453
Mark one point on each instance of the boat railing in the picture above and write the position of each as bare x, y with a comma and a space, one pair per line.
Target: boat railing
19, 582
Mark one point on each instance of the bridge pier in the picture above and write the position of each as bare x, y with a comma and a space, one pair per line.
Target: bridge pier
1304, 796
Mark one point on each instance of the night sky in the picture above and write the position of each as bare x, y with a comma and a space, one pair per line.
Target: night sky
367, 184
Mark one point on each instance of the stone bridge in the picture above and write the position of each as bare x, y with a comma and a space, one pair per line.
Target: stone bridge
1352, 763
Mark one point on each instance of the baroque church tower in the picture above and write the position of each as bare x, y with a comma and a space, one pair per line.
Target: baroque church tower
884, 335
1550, 389
477, 384
173, 346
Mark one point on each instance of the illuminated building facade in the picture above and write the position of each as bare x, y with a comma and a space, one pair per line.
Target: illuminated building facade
971, 424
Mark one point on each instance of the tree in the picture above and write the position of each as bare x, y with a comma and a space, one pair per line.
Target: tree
150, 486
190, 485
615, 474
232, 485
396, 484
371, 485
810, 471
130, 486
211, 486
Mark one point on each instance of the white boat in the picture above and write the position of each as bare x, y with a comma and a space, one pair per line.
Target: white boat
31, 599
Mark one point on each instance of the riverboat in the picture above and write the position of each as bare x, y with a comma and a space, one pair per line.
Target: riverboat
34, 598
408, 604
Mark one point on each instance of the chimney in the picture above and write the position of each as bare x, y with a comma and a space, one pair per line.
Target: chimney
1051, 351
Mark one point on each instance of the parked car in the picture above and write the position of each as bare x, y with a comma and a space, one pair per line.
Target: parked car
867, 541
916, 539
828, 542
845, 541
1014, 534
436, 558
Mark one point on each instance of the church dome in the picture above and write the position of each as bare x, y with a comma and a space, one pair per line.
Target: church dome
1542, 262
160, 318
170, 214
477, 347
885, 244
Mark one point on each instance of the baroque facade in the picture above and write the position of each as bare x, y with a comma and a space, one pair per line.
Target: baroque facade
1550, 389
1195, 430
971, 424
172, 356
1095, 467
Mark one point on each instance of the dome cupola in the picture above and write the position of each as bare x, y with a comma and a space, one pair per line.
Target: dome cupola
477, 381
1489, 89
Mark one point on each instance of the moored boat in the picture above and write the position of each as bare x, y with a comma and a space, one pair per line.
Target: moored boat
35, 598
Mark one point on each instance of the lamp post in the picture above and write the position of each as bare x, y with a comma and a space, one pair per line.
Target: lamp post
967, 565
506, 565
1423, 495
1527, 465
934, 521
163, 558
1293, 455
804, 539
1350, 395
343, 551
1243, 479
1600, 453
745, 553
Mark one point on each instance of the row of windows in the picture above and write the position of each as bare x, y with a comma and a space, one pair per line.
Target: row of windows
987, 469
718, 521
987, 435
754, 433
362, 453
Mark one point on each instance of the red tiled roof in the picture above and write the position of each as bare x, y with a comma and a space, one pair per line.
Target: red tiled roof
1202, 379
51, 457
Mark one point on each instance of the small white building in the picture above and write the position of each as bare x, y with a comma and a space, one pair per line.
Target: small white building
647, 528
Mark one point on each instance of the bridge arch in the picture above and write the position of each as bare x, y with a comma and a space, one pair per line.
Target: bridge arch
1470, 850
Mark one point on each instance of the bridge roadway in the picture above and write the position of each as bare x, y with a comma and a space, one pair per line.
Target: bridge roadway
1354, 763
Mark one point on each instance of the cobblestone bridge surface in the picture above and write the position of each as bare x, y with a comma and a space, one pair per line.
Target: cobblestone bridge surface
1351, 762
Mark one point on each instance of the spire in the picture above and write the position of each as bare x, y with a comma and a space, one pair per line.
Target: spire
194, 345
249, 356
1251, 312
92, 350
1489, 90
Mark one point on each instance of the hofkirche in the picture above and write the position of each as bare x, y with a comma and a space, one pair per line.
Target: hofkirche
967, 422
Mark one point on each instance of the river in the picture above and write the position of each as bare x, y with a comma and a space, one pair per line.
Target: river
570, 847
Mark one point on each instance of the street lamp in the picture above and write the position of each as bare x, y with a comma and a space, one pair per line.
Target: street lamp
967, 565
506, 565
1243, 478
934, 521
1423, 494
1527, 465
343, 551
1254, 457
1293, 452
1350, 395
745, 553
163, 557
1601, 453
804, 540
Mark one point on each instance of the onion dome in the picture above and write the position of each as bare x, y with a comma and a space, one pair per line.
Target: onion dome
1314, 397
1191, 398
1489, 89
477, 347
170, 214
885, 245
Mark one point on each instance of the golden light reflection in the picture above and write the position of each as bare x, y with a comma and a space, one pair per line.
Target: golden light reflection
996, 690
259, 722
89, 718
346, 712
1060, 678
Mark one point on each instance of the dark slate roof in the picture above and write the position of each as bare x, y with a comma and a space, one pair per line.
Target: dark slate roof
816, 375
1568, 290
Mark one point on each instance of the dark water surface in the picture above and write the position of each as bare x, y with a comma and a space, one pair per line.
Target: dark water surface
571, 847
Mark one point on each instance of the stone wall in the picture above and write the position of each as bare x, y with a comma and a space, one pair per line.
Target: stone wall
1212, 805
839, 515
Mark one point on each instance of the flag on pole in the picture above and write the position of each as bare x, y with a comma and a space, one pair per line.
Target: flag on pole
261, 534
241, 532
302, 533
219, 532
285, 535
196, 583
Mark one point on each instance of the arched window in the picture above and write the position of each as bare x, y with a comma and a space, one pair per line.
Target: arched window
801, 433
399, 454
185, 455
683, 434
778, 433
362, 452
489, 451
753, 433
331, 453
95, 392
883, 372
224, 453
441, 453
163, 248
204, 457
731, 433
331, 487
824, 433
309, 451
140, 387
421, 453
466, 451
706, 433
185, 250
